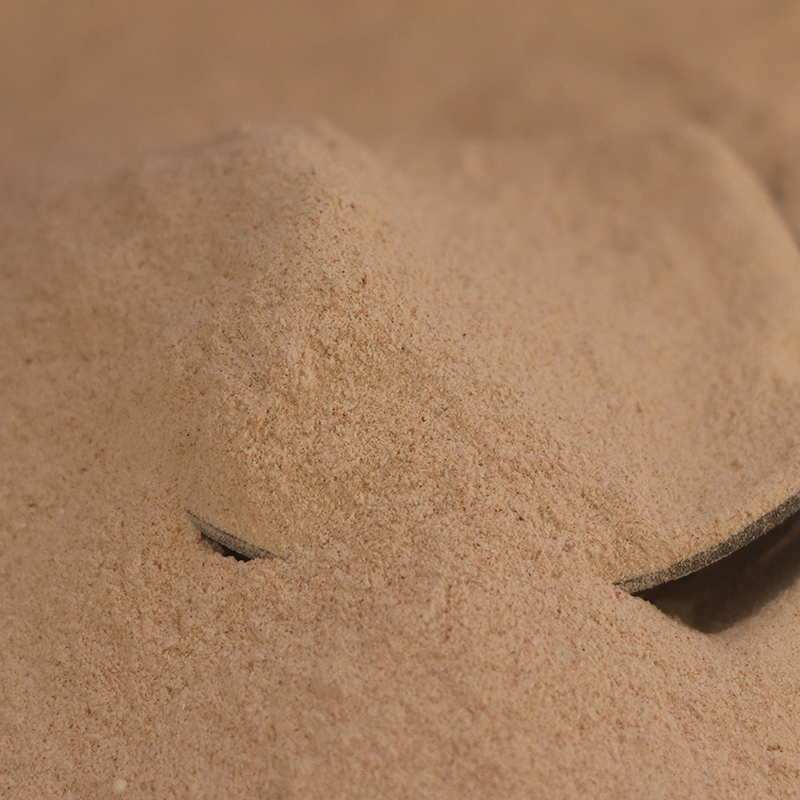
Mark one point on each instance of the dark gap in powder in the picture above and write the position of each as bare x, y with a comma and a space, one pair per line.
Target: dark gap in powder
222, 550
229, 543
735, 587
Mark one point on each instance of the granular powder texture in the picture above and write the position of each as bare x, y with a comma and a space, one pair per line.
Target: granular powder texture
461, 391
595, 336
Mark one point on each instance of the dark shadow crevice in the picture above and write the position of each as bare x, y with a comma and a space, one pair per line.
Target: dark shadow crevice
737, 586
222, 550
228, 543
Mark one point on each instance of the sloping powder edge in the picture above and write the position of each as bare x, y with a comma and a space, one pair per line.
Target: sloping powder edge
704, 558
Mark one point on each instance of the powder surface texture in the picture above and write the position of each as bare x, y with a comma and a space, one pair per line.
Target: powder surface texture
597, 337
460, 401
518, 331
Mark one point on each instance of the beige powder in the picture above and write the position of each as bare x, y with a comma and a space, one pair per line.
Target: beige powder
463, 389
347, 353
441, 405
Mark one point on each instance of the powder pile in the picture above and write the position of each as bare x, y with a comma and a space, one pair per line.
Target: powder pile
345, 353
457, 423
466, 391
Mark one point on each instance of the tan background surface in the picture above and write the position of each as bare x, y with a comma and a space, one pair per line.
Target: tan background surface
92, 78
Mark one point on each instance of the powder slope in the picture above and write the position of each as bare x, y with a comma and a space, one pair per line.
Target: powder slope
595, 336
445, 623
643, 297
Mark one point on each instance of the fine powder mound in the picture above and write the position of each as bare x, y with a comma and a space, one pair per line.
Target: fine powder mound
597, 337
463, 395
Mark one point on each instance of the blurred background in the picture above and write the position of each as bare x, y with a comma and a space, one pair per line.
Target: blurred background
101, 80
